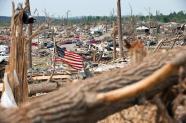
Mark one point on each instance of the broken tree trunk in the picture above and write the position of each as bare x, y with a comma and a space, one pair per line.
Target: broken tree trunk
17, 67
86, 102
120, 34
113, 35
114, 48
29, 32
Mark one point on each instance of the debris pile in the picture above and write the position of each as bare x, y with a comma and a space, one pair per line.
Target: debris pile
137, 74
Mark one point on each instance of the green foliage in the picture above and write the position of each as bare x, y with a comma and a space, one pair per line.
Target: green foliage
174, 16
179, 17
4, 21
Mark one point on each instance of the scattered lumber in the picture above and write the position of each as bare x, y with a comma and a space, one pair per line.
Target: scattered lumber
53, 77
168, 41
85, 102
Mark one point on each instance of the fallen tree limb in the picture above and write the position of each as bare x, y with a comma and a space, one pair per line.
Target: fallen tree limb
42, 88
38, 88
149, 82
77, 103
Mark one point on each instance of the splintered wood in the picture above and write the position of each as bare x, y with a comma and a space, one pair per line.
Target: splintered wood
17, 68
137, 51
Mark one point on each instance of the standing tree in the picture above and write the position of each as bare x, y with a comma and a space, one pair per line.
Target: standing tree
29, 31
113, 35
16, 70
67, 13
120, 28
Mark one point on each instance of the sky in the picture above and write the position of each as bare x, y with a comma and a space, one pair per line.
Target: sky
58, 8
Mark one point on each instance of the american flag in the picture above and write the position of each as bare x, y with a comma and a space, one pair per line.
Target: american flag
71, 58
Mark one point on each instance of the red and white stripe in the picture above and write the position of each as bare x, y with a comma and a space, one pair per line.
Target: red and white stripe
72, 59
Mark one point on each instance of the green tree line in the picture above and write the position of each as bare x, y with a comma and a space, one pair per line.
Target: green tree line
179, 17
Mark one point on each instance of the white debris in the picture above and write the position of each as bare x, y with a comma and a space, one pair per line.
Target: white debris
7, 98
108, 67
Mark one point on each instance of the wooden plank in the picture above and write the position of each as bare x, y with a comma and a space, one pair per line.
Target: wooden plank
54, 77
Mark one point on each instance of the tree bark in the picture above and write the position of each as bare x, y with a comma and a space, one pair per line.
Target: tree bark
29, 32
77, 102
29, 47
42, 88
17, 67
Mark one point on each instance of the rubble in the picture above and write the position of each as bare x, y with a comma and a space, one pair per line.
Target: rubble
97, 75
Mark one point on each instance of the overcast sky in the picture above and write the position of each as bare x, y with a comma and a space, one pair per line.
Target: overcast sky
97, 7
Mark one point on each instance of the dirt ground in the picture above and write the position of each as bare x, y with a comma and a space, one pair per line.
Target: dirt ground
136, 114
